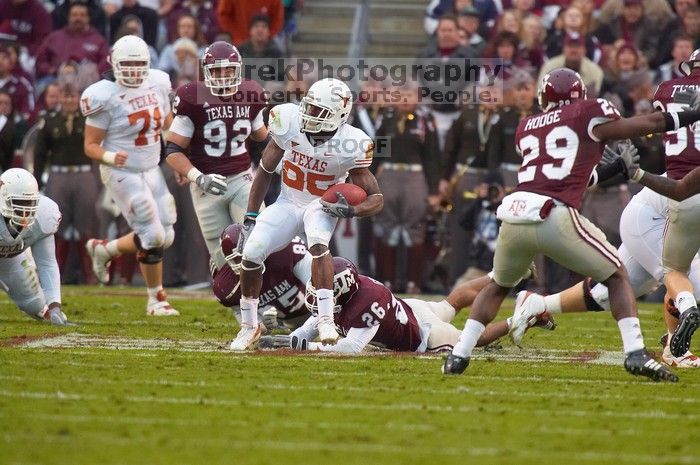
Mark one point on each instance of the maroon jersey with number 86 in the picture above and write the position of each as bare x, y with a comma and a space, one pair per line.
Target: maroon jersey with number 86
560, 151
218, 126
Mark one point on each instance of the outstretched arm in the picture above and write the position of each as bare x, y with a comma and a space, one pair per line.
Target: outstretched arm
676, 190
642, 125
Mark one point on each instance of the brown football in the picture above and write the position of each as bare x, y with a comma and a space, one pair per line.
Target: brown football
353, 194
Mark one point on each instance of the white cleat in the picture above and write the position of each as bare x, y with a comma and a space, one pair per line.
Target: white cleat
246, 338
97, 250
326, 330
528, 306
161, 307
688, 360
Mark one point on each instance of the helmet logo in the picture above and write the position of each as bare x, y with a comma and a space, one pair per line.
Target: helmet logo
345, 100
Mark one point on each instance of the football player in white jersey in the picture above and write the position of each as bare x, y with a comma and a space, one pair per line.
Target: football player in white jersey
122, 131
28, 268
317, 150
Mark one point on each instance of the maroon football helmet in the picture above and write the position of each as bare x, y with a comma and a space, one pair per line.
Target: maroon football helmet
346, 282
222, 66
692, 63
560, 87
229, 246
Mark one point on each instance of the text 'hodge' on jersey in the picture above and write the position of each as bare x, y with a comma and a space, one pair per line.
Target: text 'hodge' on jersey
681, 147
307, 170
131, 116
281, 288
373, 304
560, 151
218, 126
48, 217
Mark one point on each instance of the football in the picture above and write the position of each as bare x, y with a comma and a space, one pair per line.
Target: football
353, 194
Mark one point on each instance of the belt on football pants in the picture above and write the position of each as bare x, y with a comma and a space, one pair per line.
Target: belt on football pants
403, 166
71, 168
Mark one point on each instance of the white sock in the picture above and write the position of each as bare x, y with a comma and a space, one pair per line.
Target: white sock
112, 249
684, 301
153, 294
324, 300
249, 311
467, 340
631, 334
552, 303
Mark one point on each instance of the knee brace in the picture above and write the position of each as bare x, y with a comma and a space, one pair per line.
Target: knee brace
591, 304
148, 256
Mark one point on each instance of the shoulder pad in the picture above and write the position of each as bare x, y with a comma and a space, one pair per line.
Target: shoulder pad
48, 216
95, 97
281, 118
185, 98
160, 78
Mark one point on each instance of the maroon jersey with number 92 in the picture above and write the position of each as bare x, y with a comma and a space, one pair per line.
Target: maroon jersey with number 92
219, 126
560, 151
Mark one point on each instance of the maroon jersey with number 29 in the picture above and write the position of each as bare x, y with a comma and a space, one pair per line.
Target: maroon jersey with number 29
682, 147
218, 126
560, 151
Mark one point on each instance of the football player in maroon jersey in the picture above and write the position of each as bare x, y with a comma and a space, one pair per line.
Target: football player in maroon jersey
560, 148
367, 312
284, 281
206, 142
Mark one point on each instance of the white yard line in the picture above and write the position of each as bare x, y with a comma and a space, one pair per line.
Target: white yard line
509, 354
305, 405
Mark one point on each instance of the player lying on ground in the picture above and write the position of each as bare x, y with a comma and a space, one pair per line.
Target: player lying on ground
285, 274
317, 149
560, 147
125, 114
367, 312
30, 220
642, 226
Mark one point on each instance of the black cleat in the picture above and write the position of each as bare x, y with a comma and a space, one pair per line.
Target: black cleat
640, 363
455, 365
688, 322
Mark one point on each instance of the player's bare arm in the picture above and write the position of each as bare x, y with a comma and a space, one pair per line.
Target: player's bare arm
93, 148
261, 182
676, 190
374, 203
259, 134
642, 125
175, 156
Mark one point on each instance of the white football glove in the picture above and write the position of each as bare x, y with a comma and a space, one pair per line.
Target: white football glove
214, 184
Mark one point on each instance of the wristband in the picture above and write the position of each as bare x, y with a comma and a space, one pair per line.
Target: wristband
109, 157
638, 175
193, 174
252, 214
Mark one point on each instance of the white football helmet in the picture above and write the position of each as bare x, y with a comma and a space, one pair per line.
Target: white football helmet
19, 197
326, 106
130, 60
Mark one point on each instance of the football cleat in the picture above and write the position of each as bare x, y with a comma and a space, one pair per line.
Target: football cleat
246, 338
688, 322
455, 365
640, 363
326, 330
97, 250
688, 360
161, 307
529, 307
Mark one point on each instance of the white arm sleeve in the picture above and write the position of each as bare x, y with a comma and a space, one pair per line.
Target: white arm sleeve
44, 252
353, 343
258, 121
99, 120
182, 126
308, 330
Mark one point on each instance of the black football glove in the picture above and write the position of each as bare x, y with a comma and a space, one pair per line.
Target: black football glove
340, 208
628, 155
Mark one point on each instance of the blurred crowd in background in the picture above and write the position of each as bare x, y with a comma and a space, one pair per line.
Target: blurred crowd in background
449, 167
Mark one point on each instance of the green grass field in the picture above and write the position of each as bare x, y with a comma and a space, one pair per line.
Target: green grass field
123, 388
